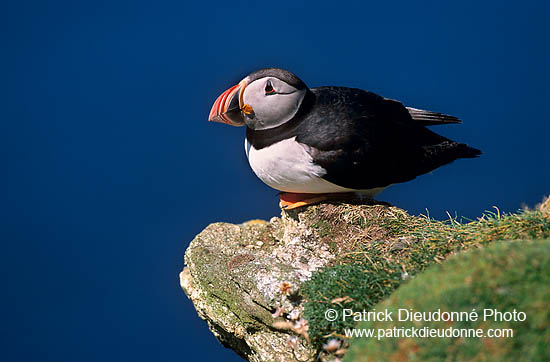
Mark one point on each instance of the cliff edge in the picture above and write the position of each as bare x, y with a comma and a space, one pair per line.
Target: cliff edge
264, 287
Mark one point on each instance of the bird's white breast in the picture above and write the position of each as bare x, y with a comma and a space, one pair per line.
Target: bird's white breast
287, 166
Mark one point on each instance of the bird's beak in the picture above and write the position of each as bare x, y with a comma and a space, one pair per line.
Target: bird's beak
227, 107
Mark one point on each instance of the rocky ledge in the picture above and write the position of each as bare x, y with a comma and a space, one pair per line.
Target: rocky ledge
246, 280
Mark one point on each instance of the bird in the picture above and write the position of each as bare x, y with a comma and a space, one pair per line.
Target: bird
328, 143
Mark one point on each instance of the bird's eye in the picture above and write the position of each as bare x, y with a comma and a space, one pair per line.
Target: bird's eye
269, 88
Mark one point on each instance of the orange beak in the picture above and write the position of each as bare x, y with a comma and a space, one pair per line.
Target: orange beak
227, 107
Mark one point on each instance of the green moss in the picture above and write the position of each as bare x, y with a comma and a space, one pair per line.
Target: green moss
375, 267
504, 276
363, 286
323, 228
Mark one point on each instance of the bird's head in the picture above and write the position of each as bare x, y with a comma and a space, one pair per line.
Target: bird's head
264, 99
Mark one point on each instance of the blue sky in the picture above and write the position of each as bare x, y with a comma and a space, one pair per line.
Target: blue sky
110, 166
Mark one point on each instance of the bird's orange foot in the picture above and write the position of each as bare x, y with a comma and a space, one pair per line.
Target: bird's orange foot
291, 200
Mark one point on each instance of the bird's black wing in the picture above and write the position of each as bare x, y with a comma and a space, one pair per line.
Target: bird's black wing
365, 141
428, 118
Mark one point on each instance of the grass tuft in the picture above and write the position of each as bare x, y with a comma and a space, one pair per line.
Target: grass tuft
385, 247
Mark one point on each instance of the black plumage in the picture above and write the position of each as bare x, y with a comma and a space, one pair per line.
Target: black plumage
366, 141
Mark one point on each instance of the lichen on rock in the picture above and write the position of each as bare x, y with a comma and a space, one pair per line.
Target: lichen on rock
262, 286
243, 279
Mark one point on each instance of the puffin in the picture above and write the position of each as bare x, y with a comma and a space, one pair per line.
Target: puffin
332, 143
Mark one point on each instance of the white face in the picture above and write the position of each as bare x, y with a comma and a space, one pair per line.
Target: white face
273, 101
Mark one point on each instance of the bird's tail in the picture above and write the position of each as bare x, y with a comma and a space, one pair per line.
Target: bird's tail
465, 151
445, 152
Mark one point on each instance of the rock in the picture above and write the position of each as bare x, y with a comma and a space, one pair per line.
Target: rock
244, 280
247, 281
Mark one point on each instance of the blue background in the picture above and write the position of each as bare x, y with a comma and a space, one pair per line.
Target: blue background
109, 166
